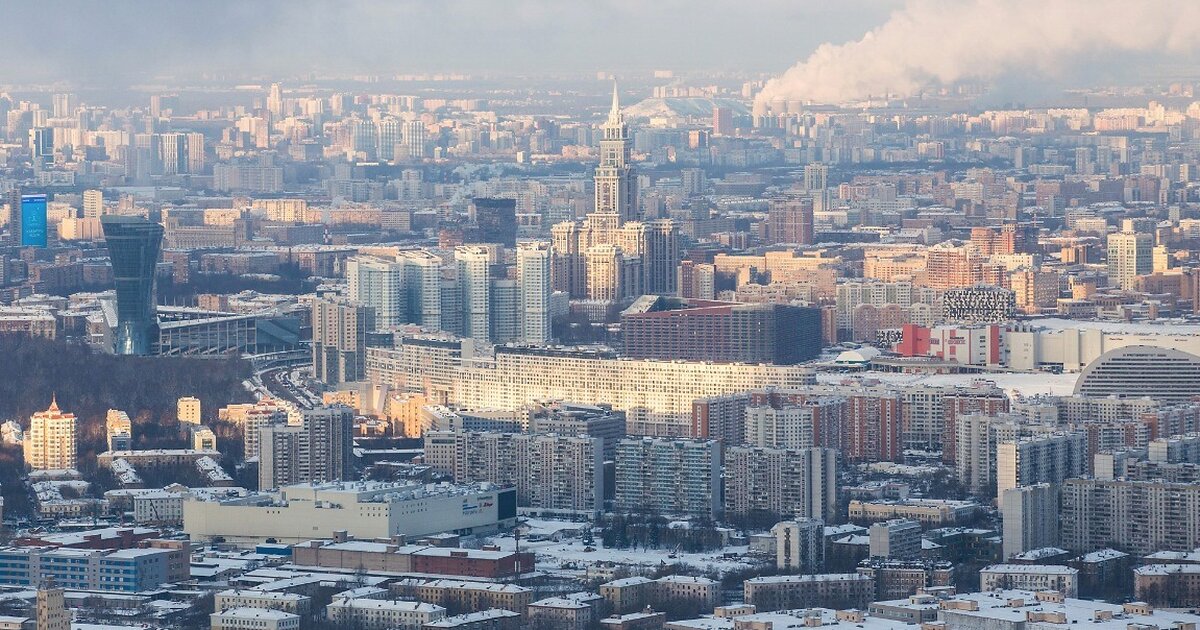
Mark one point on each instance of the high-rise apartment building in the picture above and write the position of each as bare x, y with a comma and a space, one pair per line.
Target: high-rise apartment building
873, 418
1138, 517
928, 419
977, 438
316, 450
475, 283
495, 219
693, 181
420, 364
656, 243
63, 105
504, 311
93, 203
567, 418
339, 341
423, 287
415, 135
390, 138
765, 482
275, 102
1029, 518
133, 248
1045, 458
800, 545
722, 122
791, 221
552, 473
697, 281
173, 153
951, 264
816, 183
1130, 254
50, 442
533, 285
807, 422
379, 284
196, 158
611, 275
669, 477
656, 327
656, 396
254, 418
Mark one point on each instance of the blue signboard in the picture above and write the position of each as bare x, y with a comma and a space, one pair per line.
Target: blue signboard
33, 220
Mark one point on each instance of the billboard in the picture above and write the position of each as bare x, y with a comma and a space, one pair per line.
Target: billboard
33, 220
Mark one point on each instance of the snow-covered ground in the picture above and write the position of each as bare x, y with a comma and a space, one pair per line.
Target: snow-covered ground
1026, 384
570, 553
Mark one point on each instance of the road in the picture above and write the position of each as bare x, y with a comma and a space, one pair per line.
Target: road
285, 383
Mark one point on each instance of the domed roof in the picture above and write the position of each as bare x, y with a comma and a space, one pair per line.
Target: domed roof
1141, 371
859, 355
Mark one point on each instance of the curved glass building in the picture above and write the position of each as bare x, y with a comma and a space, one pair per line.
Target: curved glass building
133, 248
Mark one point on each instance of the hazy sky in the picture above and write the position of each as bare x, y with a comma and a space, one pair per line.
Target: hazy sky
94, 40
1019, 46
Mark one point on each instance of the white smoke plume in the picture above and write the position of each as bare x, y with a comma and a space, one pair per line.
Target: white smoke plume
929, 43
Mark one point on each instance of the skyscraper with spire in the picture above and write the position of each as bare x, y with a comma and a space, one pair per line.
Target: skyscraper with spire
275, 102
635, 256
616, 186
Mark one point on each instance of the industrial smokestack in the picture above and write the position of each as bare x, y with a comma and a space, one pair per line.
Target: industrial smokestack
931, 43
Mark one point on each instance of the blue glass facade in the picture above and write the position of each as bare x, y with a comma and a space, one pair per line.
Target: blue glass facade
33, 221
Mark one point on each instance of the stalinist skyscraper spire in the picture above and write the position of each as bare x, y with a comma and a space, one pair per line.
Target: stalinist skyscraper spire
613, 255
616, 187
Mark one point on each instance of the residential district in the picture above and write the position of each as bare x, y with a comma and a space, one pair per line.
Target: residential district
583, 354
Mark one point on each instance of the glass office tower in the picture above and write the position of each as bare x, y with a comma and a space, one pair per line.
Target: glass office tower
133, 247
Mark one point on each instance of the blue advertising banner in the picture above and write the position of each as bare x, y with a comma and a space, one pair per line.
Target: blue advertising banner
33, 220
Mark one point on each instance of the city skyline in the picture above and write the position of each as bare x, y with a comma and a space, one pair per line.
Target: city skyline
600, 316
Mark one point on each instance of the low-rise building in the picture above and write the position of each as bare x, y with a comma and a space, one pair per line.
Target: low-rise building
382, 614
1170, 585
645, 620
829, 590
898, 539
1103, 574
1034, 577
122, 570
396, 558
928, 512
1013, 610
364, 509
492, 619
471, 596
253, 619
273, 600
1023, 609
560, 612
896, 579
628, 594
701, 591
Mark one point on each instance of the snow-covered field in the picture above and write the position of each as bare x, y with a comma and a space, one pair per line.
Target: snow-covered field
571, 554
1025, 384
